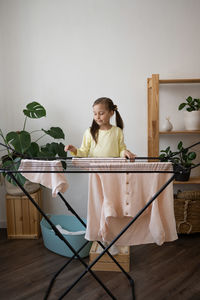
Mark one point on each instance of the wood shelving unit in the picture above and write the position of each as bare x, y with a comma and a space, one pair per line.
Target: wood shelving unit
177, 81
180, 132
153, 84
193, 180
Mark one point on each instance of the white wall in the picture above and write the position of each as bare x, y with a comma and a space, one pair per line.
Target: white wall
66, 53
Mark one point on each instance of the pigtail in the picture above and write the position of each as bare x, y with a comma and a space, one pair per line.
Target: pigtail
118, 119
94, 130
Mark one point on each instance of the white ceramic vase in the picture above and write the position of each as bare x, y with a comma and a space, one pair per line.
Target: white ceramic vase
167, 125
192, 120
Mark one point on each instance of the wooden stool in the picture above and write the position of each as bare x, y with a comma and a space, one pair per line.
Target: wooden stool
23, 219
105, 263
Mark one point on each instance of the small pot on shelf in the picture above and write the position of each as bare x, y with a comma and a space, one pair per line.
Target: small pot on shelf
192, 120
192, 113
181, 174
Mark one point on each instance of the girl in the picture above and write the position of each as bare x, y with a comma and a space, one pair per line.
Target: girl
103, 139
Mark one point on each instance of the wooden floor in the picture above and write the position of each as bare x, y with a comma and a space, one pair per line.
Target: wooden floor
171, 271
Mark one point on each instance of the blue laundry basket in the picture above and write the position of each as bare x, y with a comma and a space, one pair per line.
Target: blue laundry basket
55, 244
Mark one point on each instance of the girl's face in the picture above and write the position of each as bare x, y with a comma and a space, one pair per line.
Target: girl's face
102, 116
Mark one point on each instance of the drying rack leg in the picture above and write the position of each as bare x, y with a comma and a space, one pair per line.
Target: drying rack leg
60, 270
57, 232
131, 281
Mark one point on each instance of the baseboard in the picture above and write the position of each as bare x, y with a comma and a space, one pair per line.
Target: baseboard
3, 224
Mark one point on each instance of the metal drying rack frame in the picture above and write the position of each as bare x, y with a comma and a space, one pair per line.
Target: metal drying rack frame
88, 267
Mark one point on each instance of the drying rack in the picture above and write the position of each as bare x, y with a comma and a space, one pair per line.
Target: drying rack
74, 169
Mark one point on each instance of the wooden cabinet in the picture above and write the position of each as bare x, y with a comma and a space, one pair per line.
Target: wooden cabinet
154, 133
23, 219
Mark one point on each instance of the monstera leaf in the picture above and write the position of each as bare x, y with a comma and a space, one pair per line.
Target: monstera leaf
60, 150
53, 150
50, 148
13, 165
34, 110
33, 150
55, 132
20, 140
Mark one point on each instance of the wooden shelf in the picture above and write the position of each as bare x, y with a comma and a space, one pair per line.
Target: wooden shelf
193, 180
175, 81
180, 132
154, 133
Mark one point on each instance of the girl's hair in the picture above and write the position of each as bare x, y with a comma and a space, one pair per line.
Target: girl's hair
110, 106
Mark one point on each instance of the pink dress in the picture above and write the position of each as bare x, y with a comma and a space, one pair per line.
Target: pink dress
114, 199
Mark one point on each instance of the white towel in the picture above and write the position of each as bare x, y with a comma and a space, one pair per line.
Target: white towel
55, 181
64, 231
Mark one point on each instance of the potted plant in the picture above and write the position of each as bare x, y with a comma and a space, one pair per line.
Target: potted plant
181, 159
20, 144
192, 113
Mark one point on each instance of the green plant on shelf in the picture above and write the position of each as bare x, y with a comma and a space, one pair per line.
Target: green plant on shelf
180, 157
191, 104
182, 161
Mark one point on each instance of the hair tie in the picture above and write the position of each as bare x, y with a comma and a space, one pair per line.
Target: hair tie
115, 108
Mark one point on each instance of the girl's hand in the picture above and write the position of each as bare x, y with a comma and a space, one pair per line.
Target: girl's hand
129, 154
70, 148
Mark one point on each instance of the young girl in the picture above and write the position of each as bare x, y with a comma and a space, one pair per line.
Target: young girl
103, 139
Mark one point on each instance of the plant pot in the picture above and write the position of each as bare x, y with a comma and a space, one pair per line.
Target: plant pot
192, 120
181, 175
29, 186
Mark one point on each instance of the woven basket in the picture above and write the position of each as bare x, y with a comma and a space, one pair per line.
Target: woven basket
187, 211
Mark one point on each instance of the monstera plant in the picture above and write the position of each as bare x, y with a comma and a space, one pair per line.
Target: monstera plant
20, 144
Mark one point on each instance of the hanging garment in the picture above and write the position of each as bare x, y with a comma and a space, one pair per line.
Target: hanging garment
114, 199
55, 181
